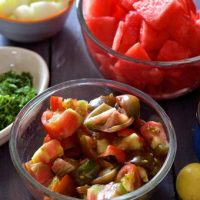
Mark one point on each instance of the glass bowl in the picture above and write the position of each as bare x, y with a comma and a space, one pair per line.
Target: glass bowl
27, 132
161, 80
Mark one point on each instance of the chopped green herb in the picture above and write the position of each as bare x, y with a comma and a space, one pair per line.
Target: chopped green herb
15, 91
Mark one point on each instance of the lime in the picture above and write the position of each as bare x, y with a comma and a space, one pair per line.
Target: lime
188, 182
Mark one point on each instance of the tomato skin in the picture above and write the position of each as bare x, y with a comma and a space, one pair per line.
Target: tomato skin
56, 103
47, 138
116, 152
47, 152
125, 132
60, 125
65, 186
154, 133
132, 169
40, 171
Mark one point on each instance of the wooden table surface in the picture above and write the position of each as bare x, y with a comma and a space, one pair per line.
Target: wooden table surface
67, 59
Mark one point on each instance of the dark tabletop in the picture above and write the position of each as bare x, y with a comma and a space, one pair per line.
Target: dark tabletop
67, 59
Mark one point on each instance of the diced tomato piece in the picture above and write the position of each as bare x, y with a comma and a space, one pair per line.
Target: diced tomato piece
47, 152
65, 186
103, 28
56, 103
133, 170
69, 142
154, 133
171, 50
60, 125
74, 152
152, 39
40, 171
116, 152
93, 191
125, 132
128, 33
47, 138
158, 13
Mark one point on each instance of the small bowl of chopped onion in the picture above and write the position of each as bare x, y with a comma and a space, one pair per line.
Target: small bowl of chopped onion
32, 21
23, 75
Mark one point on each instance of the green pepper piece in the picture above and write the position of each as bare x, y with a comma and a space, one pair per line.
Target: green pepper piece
106, 176
88, 145
110, 100
107, 119
86, 172
131, 104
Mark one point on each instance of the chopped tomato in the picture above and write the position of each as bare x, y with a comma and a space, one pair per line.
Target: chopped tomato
114, 151
60, 125
154, 134
47, 138
125, 132
133, 170
65, 186
40, 171
69, 142
56, 103
47, 152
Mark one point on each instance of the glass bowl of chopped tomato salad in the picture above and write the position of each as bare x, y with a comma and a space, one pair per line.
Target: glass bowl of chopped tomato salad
151, 45
92, 139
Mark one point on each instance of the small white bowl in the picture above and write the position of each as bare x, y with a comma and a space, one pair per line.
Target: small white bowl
34, 30
22, 60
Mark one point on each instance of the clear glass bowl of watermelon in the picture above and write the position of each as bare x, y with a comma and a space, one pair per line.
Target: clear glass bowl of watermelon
153, 47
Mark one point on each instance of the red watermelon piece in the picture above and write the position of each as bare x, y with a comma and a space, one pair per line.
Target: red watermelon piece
118, 36
119, 12
186, 32
152, 39
129, 32
158, 13
99, 8
128, 4
189, 6
137, 51
171, 50
103, 28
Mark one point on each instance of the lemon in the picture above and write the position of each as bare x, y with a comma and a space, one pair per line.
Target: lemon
188, 182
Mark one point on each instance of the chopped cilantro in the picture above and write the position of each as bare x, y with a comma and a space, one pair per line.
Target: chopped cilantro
15, 91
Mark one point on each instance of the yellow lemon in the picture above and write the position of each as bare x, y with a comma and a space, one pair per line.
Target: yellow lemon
188, 182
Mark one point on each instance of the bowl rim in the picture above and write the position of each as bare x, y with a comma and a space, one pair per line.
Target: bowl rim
55, 15
5, 133
158, 64
141, 95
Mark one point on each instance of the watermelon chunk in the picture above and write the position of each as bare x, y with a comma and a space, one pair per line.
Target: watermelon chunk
128, 4
171, 50
152, 39
188, 6
128, 33
99, 8
128, 71
119, 12
138, 52
187, 33
158, 13
103, 28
